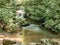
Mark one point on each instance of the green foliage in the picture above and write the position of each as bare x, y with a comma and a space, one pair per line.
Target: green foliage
3, 2
7, 14
45, 11
1, 30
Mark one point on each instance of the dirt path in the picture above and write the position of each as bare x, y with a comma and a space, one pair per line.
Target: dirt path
56, 40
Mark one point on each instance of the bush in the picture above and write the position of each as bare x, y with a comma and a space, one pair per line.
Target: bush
47, 10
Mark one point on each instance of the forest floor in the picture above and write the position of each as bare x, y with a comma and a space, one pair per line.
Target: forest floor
30, 37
